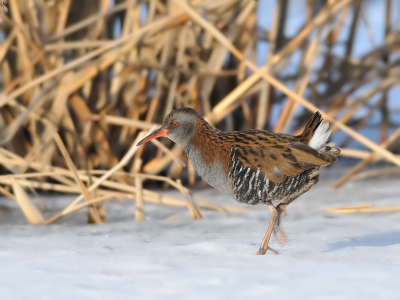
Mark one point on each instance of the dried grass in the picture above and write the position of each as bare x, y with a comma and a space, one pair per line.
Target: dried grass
76, 97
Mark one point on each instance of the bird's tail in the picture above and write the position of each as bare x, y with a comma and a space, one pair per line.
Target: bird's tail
310, 128
316, 134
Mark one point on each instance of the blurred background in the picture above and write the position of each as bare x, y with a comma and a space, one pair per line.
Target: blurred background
81, 81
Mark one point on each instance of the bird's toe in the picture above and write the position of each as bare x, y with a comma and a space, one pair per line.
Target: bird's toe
262, 251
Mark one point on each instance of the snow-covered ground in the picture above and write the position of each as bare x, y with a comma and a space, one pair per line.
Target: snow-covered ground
330, 256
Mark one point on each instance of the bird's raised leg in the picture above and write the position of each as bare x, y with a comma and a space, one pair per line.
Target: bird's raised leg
281, 208
264, 244
279, 233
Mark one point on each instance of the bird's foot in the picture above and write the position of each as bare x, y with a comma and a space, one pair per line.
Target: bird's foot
262, 251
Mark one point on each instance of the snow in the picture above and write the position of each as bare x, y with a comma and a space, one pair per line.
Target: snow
329, 256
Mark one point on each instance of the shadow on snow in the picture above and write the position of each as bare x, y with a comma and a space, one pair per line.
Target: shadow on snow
371, 240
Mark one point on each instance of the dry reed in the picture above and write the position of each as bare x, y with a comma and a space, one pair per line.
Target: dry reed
80, 84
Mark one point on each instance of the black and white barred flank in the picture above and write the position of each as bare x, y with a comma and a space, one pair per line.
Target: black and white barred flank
253, 187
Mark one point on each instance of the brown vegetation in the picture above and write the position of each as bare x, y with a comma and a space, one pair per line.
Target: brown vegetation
82, 81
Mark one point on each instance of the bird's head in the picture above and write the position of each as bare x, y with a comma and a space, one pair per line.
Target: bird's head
179, 126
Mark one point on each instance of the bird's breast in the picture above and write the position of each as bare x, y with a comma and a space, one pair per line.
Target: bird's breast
213, 171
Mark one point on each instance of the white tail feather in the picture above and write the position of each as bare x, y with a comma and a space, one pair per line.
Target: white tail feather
320, 136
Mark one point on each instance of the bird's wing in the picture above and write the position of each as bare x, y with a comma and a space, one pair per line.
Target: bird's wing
278, 157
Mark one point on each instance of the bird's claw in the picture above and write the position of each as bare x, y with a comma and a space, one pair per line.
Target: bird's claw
263, 251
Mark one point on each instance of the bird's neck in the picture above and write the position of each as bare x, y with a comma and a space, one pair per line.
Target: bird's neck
209, 154
204, 142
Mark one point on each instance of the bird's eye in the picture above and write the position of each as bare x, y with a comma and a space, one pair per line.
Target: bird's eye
175, 123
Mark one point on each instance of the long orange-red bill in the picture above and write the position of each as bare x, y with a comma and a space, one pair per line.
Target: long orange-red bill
159, 132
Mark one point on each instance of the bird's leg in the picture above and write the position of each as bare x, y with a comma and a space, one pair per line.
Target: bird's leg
278, 231
280, 236
281, 208
264, 244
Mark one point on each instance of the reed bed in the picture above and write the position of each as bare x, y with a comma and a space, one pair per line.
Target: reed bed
82, 81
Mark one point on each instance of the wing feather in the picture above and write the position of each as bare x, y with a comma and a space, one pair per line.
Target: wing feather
281, 158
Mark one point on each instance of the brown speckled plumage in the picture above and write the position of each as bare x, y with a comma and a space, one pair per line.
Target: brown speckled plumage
253, 166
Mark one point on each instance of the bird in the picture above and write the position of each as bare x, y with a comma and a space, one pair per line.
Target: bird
253, 166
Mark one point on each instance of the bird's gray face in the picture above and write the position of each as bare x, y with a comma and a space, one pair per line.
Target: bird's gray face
179, 127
